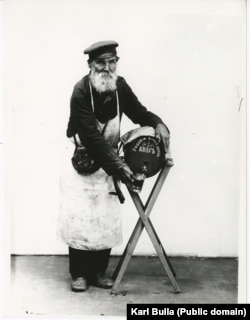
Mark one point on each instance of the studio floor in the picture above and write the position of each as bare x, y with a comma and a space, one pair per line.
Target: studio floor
40, 286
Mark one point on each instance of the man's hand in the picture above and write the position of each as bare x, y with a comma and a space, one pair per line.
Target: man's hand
162, 135
125, 174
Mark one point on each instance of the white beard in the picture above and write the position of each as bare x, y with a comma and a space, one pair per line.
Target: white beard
103, 81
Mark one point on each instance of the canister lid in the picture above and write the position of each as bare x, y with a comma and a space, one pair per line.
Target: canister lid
142, 151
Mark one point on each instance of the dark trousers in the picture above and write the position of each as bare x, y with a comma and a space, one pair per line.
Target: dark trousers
85, 263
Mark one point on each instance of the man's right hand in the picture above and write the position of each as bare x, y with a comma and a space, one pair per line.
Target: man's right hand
125, 174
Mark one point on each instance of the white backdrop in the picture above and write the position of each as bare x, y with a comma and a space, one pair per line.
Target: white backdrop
185, 60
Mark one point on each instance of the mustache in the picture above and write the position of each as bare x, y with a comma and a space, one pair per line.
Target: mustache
105, 74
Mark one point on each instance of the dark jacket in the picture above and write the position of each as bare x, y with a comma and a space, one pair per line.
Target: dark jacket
83, 121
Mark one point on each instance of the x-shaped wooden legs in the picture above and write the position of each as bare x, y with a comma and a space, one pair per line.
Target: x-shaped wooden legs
144, 221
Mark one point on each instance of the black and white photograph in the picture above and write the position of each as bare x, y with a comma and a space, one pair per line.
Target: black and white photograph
124, 155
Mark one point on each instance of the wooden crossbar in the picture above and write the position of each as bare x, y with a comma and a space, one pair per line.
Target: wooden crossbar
144, 221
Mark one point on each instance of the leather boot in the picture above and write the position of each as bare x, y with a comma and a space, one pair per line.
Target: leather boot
102, 281
79, 285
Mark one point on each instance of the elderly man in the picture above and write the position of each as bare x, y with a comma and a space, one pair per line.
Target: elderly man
90, 223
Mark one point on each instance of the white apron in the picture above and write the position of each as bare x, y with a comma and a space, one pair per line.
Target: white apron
90, 217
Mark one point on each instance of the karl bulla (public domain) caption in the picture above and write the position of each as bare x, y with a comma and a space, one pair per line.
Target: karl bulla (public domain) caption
153, 311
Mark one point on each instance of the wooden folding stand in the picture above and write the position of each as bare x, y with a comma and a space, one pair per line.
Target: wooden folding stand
144, 221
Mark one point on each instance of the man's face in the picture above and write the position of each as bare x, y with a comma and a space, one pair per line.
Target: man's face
103, 73
104, 65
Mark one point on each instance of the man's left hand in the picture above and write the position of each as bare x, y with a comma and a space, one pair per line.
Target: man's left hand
162, 135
